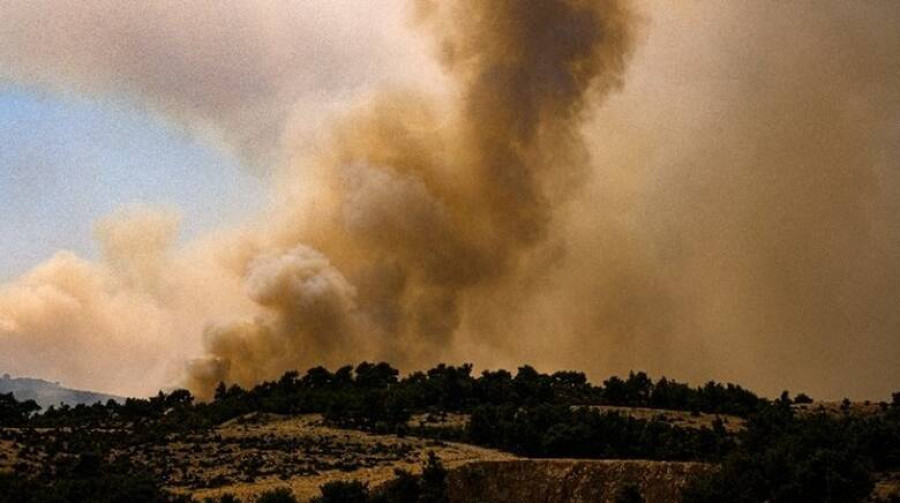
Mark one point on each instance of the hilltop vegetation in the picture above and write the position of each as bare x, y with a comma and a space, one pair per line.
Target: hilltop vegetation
777, 455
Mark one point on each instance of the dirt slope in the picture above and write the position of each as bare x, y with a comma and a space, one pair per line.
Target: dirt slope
568, 481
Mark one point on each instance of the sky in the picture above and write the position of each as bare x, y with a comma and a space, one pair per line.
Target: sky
67, 162
206, 191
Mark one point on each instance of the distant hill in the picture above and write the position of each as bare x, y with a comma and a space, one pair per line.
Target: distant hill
47, 393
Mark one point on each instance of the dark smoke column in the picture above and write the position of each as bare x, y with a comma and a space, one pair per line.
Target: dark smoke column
419, 217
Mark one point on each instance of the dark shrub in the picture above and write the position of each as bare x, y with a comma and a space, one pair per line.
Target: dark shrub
280, 495
434, 481
343, 492
803, 398
629, 494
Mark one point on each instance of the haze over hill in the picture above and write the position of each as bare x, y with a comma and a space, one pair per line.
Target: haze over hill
47, 393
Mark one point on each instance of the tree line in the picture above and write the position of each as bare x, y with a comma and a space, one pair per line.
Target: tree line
779, 456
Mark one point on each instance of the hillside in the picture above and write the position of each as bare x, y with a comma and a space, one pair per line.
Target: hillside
366, 435
47, 393
259, 452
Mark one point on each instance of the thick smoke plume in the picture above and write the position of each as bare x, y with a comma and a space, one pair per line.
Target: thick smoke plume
420, 215
729, 212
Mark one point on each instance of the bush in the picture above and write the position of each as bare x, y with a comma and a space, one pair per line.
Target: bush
434, 481
343, 492
629, 494
783, 459
225, 498
803, 398
549, 431
430, 487
14, 412
403, 489
280, 495
89, 480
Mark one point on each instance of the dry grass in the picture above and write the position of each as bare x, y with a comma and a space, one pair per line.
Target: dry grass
8, 455
261, 453
679, 418
887, 486
439, 420
837, 409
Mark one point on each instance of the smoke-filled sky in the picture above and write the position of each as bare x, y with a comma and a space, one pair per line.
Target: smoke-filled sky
195, 192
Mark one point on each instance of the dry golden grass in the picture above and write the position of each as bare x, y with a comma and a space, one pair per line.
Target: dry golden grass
8, 455
260, 453
887, 486
679, 418
439, 420
837, 408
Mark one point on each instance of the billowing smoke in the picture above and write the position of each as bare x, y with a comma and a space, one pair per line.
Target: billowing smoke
311, 318
124, 323
106, 310
424, 215
729, 214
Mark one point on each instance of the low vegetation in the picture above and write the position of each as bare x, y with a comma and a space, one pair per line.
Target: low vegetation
107, 450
